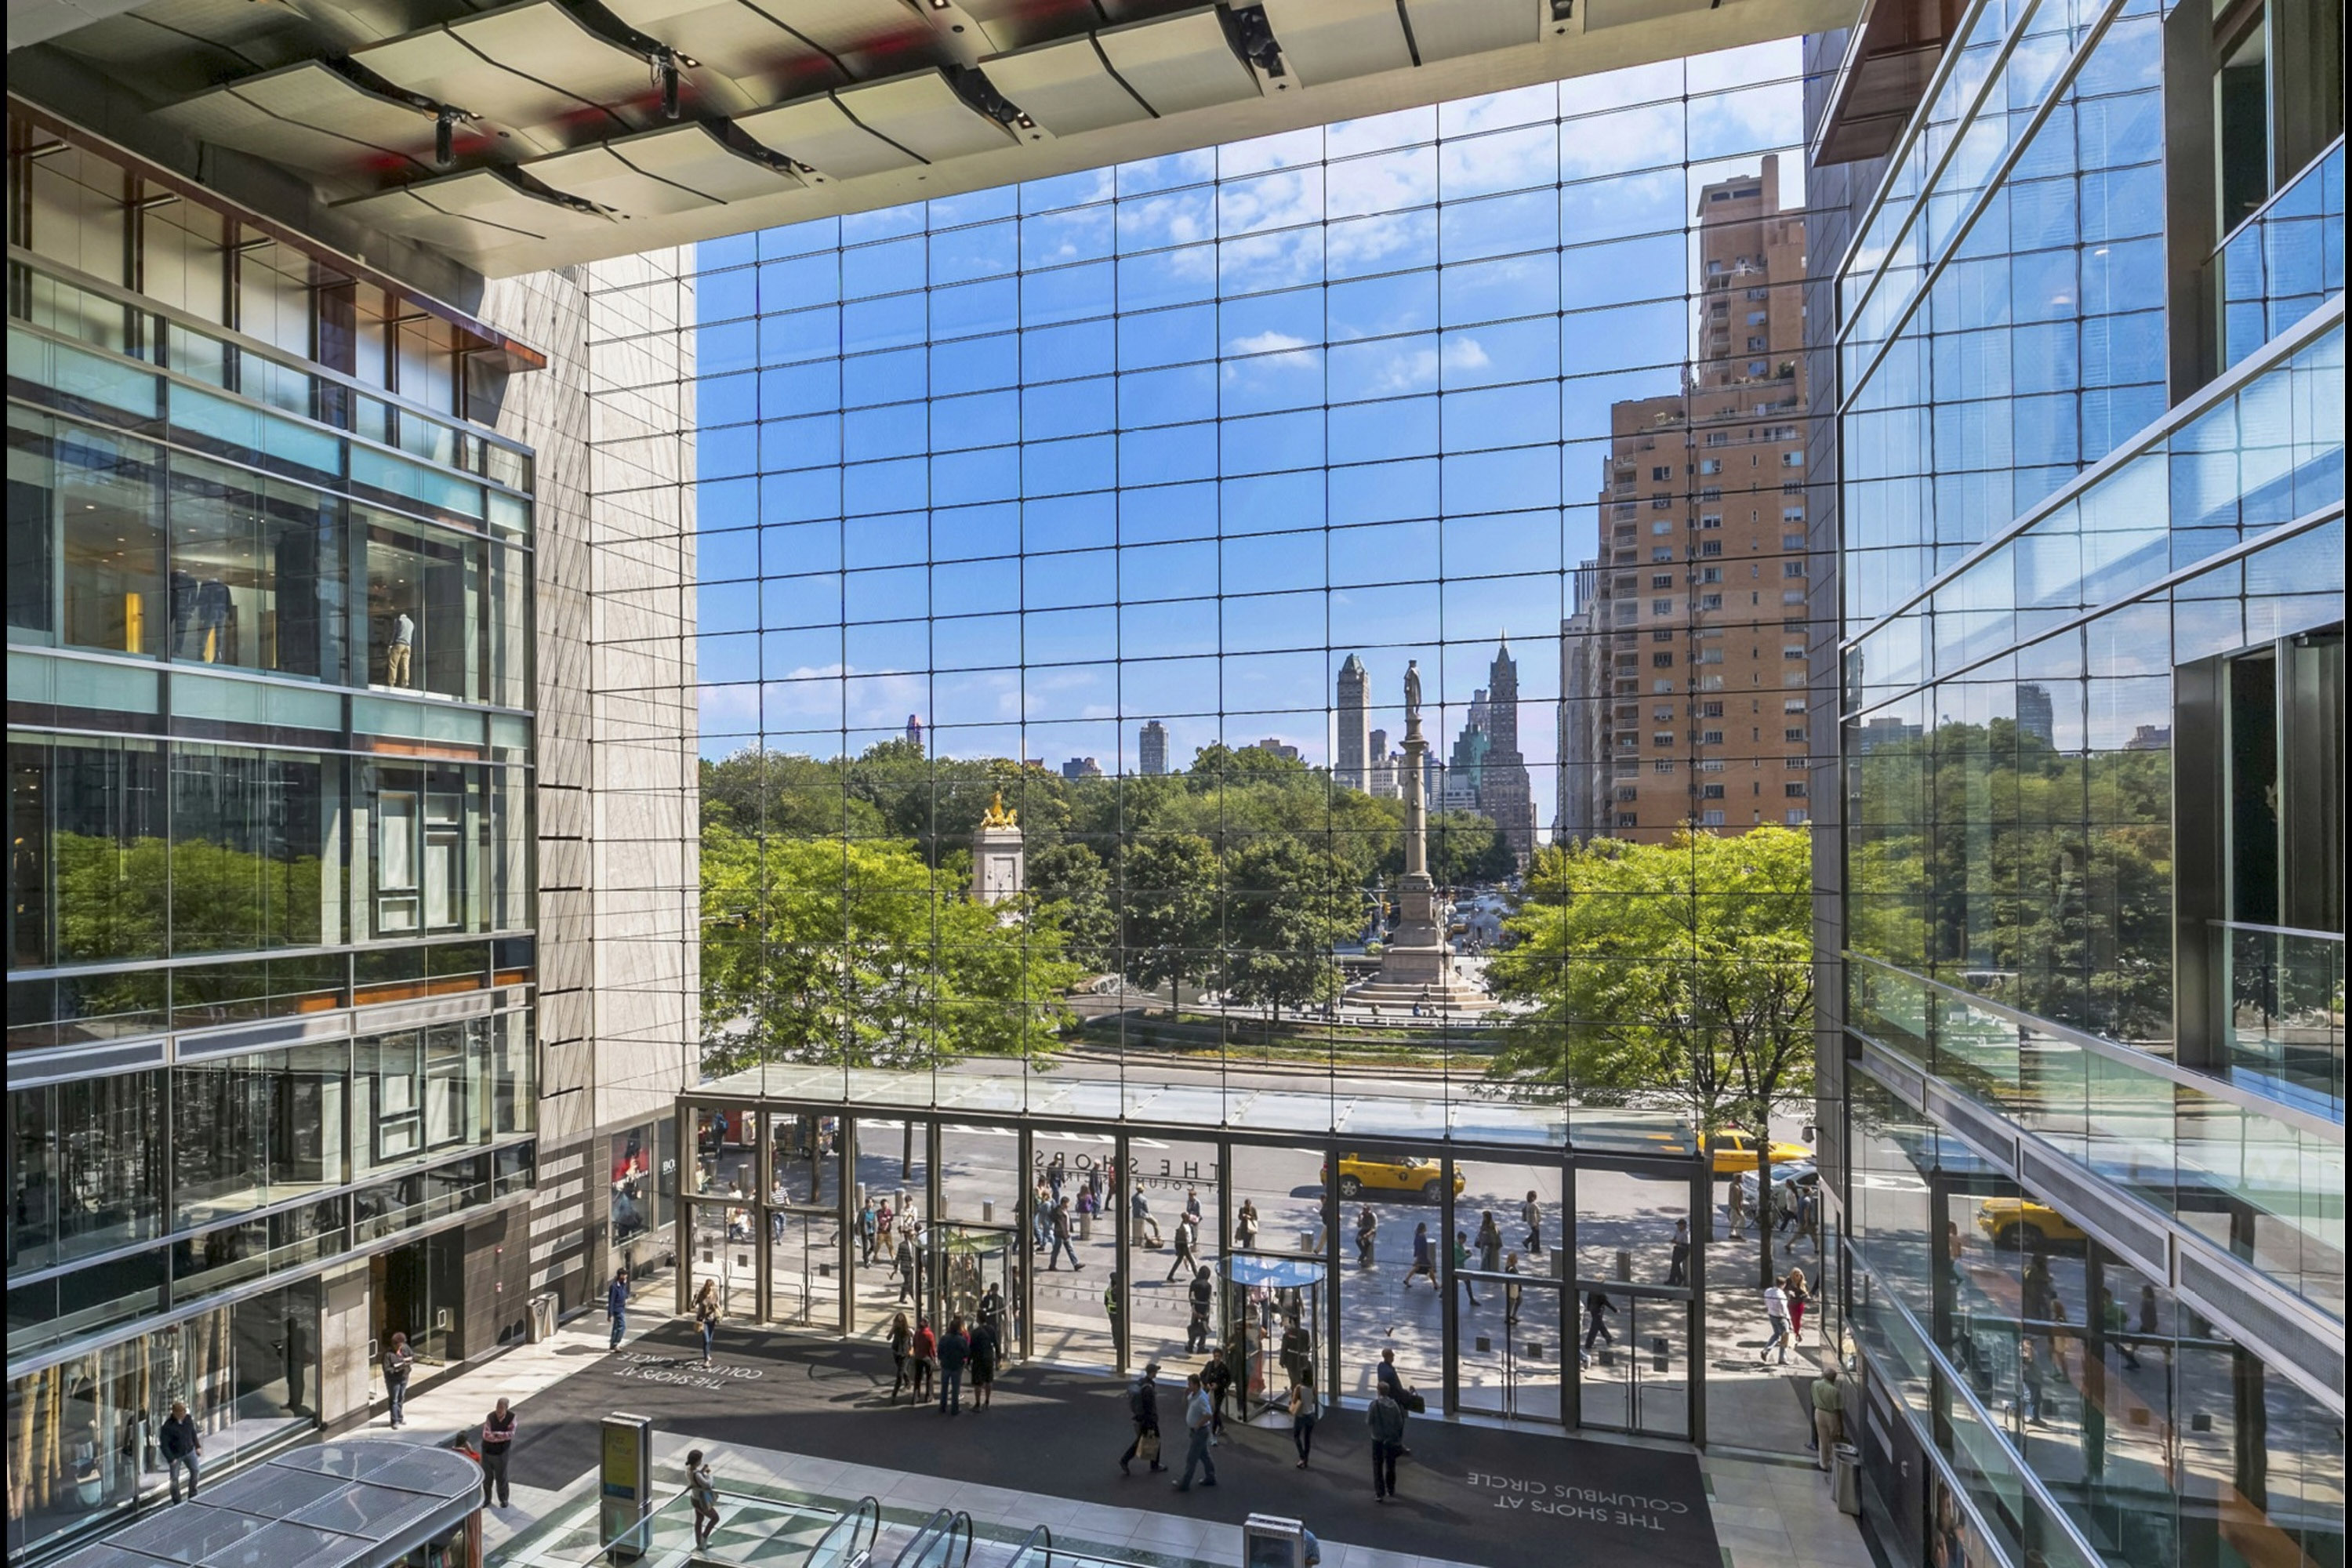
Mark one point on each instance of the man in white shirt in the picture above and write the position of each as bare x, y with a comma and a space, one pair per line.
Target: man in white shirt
1776, 1311
395, 658
1199, 1412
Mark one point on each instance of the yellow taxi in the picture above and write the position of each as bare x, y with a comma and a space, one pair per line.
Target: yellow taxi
1361, 1174
2021, 1223
1733, 1152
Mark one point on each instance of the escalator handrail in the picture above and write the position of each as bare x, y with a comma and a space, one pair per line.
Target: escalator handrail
1042, 1534
946, 1521
862, 1517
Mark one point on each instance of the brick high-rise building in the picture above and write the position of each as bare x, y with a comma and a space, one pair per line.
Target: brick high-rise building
1696, 683
1152, 748
1350, 767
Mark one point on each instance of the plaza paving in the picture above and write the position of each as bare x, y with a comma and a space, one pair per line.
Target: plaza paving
798, 1421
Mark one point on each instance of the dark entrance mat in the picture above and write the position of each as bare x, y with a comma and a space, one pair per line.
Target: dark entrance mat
1474, 1494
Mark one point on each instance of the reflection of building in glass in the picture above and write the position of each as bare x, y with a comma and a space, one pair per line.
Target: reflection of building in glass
2091, 742
1694, 702
1152, 748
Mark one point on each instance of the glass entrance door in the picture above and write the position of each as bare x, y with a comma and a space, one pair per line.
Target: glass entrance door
1634, 1367
1507, 1361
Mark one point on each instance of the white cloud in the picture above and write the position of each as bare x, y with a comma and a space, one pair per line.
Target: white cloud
1266, 342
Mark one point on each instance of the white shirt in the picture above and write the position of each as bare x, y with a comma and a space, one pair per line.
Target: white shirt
1776, 1301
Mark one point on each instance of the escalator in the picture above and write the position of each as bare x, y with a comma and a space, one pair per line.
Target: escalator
943, 1542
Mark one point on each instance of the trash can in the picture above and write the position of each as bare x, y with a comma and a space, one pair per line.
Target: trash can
1845, 1490
542, 1317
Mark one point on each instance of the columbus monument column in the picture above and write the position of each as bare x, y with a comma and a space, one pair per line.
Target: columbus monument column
1417, 966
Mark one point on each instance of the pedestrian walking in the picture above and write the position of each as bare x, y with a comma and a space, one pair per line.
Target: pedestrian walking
983, 1362
1143, 1413
703, 1491
1598, 1311
498, 1443
1799, 1297
1489, 1242
1202, 1293
1829, 1416
182, 1446
1678, 1262
1385, 1422
399, 1360
1776, 1314
1192, 1206
1809, 1216
1461, 1261
1217, 1377
1041, 1214
1186, 1259
1245, 1226
925, 1356
866, 1222
705, 1316
1060, 1235
1511, 1291
992, 1312
1737, 1226
1055, 1174
1368, 1226
902, 1350
1200, 1413
885, 1219
1425, 1258
1784, 1206
1531, 1215
902, 1264
955, 1350
1305, 1411
1139, 1210
2030, 1380
616, 1309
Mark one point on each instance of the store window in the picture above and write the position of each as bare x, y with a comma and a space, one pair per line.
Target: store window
253, 571
422, 833
254, 1129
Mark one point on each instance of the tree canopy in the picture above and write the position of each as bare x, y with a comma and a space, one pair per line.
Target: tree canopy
1683, 968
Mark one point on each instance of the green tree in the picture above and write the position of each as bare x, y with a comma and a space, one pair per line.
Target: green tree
1287, 905
1169, 923
1683, 969
1069, 881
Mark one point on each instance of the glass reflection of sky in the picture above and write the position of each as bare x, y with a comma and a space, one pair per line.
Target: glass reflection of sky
1168, 440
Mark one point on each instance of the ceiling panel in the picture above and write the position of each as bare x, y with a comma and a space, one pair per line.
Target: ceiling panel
852, 28
740, 42
1179, 62
922, 112
674, 170
310, 117
1446, 29
472, 214
1332, 40
816, 131
1065, 87
529, 66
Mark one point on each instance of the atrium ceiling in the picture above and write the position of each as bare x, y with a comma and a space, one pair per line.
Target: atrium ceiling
544, 132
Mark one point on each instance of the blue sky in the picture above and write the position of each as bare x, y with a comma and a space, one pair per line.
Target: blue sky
1170, 439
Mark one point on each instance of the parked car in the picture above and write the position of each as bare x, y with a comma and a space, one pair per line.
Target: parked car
1734, 1151
1361, 1174
2015, 1224
1803, 1173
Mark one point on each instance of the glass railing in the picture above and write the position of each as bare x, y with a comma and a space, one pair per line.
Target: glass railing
119, 323
2282, 991
2281, 262
2193, 1148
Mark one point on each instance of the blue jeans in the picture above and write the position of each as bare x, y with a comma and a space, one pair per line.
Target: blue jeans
710, 1335
951, 1388
1061, 1245
1780, 1341
620, 1326
395, 1390
1196, 1456
189, 1462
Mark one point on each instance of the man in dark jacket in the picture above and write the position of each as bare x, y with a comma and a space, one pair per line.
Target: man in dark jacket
399, 1361
183, 1447
955, 1348
1143, 1410
1385, 1422
616, 1304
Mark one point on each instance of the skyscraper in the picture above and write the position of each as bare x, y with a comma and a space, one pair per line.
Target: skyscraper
1505, 794
1348, 762
1381, 773
1152, 748
915, 731
1698, 685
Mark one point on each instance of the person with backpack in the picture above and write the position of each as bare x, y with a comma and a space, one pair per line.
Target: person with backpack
1143, 1412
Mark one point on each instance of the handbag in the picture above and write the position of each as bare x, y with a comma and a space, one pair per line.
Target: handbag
1147, 1448
1414, 1402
